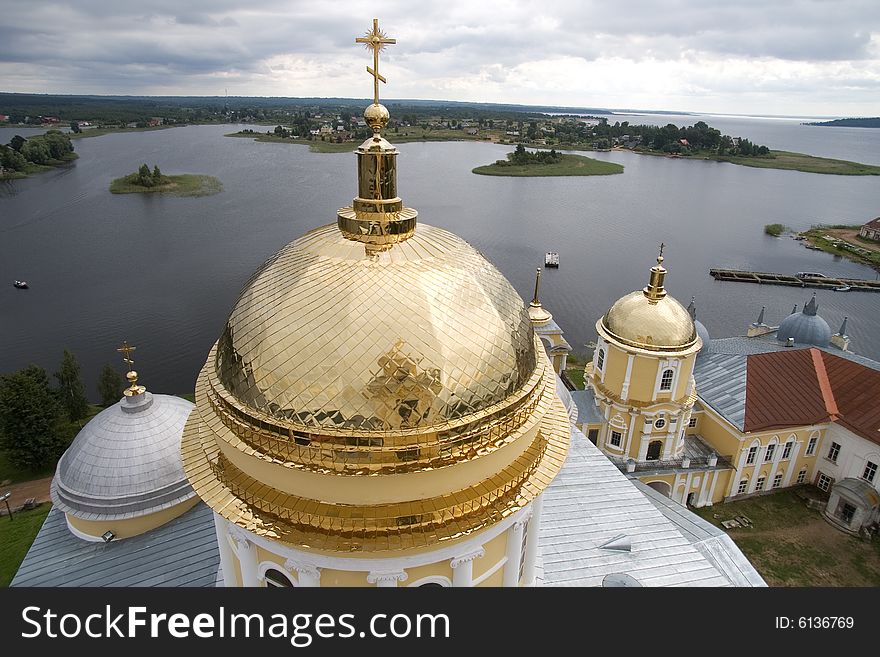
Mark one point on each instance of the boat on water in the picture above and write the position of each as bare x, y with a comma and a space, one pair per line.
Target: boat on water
551, 259
810, 274
843, 288
21, 285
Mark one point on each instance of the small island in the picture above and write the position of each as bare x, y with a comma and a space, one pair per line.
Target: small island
547, 163
144, 181
867, 122
22, 157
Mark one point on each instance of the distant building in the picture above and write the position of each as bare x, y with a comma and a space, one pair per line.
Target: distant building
155, 121
871, 230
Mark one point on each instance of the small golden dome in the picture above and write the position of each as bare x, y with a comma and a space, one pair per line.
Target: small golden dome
649, 318
664, 325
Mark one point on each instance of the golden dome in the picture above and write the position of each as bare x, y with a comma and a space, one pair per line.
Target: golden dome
371, 401
650, 319
378, 385
663, 326
329, 337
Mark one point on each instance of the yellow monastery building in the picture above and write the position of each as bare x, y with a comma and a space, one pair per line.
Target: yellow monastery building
704, 421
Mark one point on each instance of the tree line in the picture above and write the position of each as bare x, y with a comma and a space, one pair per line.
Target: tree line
49, 148
520, 156
38, 418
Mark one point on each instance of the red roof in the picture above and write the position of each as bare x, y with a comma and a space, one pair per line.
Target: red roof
810, 386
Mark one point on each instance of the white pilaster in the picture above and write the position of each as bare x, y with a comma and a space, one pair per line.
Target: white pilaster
227, 557
463, 568
514, 553
532, 542
246, 552
624, 391
715, 476
792, 462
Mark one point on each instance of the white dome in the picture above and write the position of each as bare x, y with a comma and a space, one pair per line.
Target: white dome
126, 461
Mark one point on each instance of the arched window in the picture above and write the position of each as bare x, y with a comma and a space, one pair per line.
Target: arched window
277, 579
666, 379
600, 359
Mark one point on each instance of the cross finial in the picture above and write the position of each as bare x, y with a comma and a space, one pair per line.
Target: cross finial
375, 40
126, 350
660, 256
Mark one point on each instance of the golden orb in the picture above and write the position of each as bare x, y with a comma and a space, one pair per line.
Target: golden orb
376, 116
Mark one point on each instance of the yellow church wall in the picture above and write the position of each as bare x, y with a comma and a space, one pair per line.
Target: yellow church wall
495, 550
720, 435
615, 368
131, 526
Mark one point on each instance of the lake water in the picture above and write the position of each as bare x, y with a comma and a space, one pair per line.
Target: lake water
164, 273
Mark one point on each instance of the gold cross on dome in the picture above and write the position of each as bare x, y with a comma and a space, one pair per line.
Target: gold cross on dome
126, 349
375, 40
660, 257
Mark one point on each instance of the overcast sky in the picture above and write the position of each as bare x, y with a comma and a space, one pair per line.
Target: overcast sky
786, 57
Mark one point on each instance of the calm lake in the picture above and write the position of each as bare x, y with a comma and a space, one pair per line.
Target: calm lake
163, 273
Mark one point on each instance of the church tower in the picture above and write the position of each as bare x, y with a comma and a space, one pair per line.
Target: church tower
378, 410
642, 373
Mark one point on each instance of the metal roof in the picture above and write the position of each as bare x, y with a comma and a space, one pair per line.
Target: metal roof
182, 552
721, 384
860, 490
126, 461
588, 412
591, 502
712, 542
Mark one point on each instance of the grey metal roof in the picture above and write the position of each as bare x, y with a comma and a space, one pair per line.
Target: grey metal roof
721, 384
182, 552
766, 343
712, 542
591, 502
588, 412
126, 461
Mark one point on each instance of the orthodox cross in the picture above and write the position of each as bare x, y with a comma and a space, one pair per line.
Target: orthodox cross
660, 257
126, 350
375, 40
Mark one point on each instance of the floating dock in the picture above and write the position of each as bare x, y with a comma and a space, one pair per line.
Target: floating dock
769, 278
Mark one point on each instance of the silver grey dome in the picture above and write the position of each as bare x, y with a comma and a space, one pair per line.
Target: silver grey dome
806, 327
703, 332
126, 461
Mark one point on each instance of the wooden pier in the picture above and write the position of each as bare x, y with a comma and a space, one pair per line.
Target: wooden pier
769, 278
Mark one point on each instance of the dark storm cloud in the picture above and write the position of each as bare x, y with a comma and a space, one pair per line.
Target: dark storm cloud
127, 47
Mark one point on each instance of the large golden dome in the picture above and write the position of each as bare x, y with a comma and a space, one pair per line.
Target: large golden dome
377, 387
329, 337
650, 319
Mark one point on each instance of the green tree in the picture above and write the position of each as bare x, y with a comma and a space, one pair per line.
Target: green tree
71, 392
157, 175
145, 178
35, 151
109, 386
74, 127
17, 142
30, 419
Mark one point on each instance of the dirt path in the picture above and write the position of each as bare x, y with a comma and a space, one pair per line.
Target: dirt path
38, 489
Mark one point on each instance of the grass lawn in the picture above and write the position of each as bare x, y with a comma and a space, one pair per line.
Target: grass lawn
791, 545
187, 184
568, 165
576, 376
16, 536
802, 162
